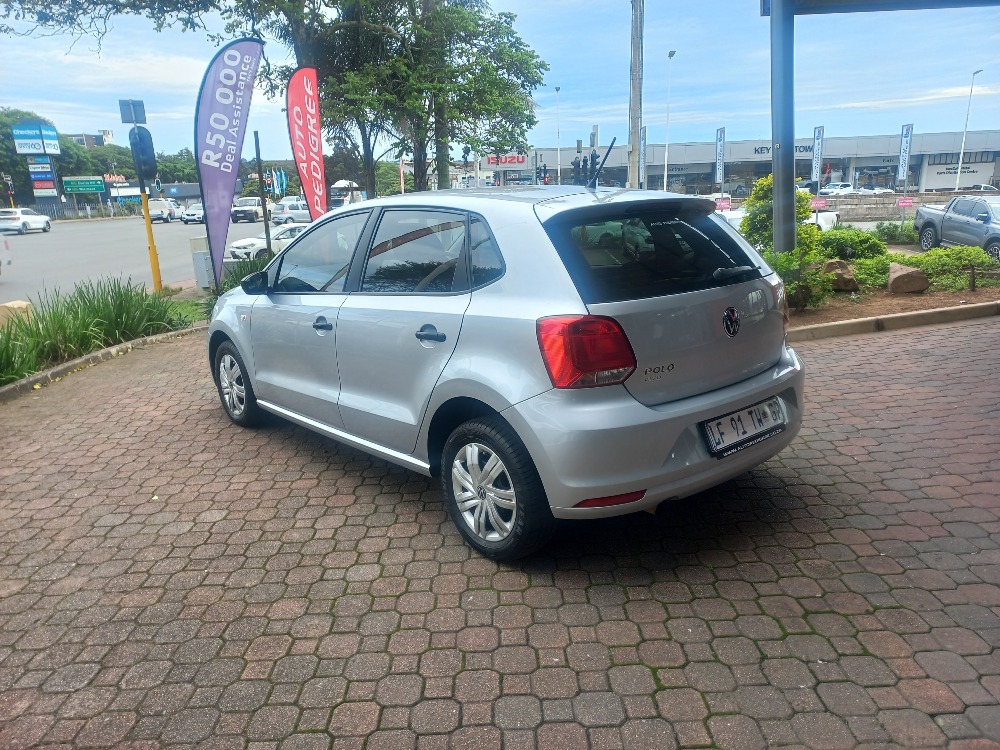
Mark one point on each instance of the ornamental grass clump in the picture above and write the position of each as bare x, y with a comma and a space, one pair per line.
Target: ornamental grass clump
95, 315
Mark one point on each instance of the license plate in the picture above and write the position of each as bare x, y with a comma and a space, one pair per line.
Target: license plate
741, 429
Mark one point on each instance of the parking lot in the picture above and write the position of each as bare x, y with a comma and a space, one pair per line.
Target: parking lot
78, 250
170, 580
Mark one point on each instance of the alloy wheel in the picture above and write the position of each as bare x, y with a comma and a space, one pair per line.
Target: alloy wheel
484, 492
231, 384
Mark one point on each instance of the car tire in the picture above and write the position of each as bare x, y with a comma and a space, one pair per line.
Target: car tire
289, 220
47, 226
185, 221
993, 249
23, 229
506, 530
166, 219
928, 239
261, 254
253, 219
235, 389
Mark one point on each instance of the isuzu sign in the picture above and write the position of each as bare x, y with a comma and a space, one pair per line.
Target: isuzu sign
304, 130
220, 122
512, 159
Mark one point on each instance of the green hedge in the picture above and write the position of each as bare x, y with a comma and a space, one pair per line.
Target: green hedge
850, 244
93, 316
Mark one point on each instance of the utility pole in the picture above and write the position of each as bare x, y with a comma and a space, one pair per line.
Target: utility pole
635, 95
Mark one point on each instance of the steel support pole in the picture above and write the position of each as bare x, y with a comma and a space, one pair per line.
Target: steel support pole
783, 122
635, 95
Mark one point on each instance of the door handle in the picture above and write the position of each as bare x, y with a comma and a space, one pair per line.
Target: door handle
429, 333
322, 325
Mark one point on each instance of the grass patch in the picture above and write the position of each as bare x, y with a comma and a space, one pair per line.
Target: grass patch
93, 316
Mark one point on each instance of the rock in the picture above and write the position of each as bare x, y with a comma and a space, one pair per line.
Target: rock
843, 276
906, 280
10, 309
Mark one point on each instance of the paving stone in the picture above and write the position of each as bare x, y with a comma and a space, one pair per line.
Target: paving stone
283, 592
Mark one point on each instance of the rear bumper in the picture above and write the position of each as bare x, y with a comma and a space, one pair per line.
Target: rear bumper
602, 442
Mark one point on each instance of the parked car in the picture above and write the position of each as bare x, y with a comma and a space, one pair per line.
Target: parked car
984, 189
825, 219
256, 247
344, 193
161, 210
250, 209
837, 188
287, 211
21, 220
490, 340
963, 221
874, 190
194, 214
176, 209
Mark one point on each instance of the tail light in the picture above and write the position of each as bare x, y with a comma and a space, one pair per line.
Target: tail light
585, 351
780, 300
605, 502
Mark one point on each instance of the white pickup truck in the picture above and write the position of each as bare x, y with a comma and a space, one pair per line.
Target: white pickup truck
965, 220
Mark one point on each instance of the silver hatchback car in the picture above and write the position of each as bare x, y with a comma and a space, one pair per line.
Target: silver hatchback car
549, 352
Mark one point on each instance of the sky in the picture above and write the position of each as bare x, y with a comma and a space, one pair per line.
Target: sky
855, 74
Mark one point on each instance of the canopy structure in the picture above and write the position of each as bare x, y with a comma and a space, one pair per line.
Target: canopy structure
782, 13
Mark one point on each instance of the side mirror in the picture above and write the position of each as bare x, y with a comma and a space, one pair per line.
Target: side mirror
983, 217
255, 283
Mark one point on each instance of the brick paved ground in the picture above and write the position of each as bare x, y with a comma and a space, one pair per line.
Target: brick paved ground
169, 580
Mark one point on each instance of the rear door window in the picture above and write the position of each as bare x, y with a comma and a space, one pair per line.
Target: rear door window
634, 253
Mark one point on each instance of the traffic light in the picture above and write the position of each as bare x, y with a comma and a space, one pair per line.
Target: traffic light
142, 152
545, 173
538, 175
576, 170
586, 170
593, 166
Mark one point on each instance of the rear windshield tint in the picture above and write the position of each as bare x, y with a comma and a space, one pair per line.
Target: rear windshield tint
8, 212
656, 251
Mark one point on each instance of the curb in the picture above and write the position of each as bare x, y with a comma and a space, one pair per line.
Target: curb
894, 322
15, 389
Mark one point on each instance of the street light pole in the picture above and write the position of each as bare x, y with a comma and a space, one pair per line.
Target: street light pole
666, 143
558, 147
961, 152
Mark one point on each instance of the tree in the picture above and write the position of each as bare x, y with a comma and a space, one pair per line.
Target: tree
406, 71
758, 224
388, 179
113, 159
179, 167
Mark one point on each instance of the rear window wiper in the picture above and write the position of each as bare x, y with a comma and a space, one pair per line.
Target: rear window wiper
721, 274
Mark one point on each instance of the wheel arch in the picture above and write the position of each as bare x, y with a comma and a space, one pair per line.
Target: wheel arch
447, 417
217, 339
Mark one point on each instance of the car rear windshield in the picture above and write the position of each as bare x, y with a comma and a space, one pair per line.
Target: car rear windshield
8, 212
669, 248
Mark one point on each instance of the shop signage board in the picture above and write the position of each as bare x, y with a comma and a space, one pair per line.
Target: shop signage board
46, 193
904, 202
818, 203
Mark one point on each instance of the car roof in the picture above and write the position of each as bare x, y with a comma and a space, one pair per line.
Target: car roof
553, 199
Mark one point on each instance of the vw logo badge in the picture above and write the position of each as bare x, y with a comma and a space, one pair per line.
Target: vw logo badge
481, 492
731, 320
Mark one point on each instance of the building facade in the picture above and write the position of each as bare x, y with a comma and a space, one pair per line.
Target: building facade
861, 160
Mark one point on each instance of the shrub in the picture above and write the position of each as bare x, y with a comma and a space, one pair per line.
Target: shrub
231, 279
947, 267
849, 244
758, 224
802, 270
93, 316
896, 234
